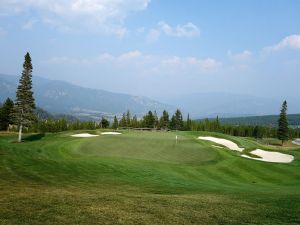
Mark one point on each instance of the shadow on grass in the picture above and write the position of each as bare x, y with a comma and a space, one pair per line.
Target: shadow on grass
34, 137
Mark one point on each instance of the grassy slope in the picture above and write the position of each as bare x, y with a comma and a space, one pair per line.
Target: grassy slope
143, 178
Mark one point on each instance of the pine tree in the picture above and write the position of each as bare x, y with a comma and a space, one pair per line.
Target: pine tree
149, 120
128, 119
6, 114
188, 122
123, 121
134, 122
156, 123
177, 120
218, 123
283, 127
115, 123
25, 105
104, 123
164, 120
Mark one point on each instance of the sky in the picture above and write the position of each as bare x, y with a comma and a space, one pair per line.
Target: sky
157, 48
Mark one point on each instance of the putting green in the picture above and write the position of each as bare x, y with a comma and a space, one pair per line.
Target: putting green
150, 146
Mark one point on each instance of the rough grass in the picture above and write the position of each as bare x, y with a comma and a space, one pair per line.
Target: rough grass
143, 178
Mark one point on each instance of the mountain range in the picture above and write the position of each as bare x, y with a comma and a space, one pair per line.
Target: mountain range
267, 120
208, 105
61, 97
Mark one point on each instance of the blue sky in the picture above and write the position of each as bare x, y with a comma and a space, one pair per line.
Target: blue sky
157, 48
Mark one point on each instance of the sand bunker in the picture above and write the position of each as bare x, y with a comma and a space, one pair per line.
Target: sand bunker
267, 156
229, 144
84, 135
110, 133
296, 141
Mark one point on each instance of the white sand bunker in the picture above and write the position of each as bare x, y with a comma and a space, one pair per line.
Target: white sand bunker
229, 144
267, 156
110, 133
296, 141
85, 135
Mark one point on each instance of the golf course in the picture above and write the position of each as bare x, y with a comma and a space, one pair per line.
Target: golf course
144, 177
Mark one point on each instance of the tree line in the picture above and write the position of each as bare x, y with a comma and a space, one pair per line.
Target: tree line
176, 122
151, 120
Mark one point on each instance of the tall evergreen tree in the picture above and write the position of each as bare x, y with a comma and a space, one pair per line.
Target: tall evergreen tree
156, 122
283, 126
177, 121
128, 119
218, 123
173, 123
104, 123
123, 121
115, 123
149, 120
134, 122
6, 114
188, 123
164, 120
25, 105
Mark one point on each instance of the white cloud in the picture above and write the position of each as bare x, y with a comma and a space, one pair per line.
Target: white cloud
106, 15
29, 24
209, 64
289, 42
146, 64
241, 61
242, 56
133, 55
8, 7
104, 58
188, 30
190, 65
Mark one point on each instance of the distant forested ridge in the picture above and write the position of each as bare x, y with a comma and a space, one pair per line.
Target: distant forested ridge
269, 120
42, 114
60, 97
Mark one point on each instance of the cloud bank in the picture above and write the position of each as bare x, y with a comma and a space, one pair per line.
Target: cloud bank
146, 64
105, 15
289, 42
188, 30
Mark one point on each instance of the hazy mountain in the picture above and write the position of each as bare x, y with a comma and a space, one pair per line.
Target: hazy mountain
66, 98
203, 105
42, 114
63, 97
267, 120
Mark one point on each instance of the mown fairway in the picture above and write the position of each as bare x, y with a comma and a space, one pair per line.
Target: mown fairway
143, 178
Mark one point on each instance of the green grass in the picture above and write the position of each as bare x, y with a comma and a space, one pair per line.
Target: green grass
143, 178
